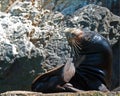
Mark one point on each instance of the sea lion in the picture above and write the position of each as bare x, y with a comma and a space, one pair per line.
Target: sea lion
56, 80
94, 73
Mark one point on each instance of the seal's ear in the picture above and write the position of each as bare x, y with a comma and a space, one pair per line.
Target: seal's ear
69, 70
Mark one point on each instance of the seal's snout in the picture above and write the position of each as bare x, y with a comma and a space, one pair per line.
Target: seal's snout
70, 35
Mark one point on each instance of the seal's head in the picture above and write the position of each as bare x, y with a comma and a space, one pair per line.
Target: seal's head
79, 40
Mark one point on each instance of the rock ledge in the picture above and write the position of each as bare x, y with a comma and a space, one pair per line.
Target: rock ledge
85, 93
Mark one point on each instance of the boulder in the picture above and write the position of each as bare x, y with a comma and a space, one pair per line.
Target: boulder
31, 42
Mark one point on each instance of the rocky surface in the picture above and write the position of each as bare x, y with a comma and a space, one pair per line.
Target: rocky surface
98, 19
32, 40
66, 6
24, 48
88, 93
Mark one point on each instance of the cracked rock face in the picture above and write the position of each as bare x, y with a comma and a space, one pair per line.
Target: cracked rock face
32, 39
98, 19
66, 6
31, 42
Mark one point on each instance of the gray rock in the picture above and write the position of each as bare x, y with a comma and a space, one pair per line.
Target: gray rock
65, 6
31, 42
98, 19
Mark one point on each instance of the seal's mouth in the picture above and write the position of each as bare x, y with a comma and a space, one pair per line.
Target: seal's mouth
70, 38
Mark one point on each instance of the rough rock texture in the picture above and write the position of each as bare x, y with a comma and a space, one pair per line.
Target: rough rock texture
30, 43
98, 19
67, 6
32, 40
88, 93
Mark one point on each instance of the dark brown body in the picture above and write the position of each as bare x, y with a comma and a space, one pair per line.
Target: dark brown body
94, 73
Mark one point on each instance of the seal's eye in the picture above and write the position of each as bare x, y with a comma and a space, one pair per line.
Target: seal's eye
73, 35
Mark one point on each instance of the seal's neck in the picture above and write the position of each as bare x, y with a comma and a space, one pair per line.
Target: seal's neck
90, 58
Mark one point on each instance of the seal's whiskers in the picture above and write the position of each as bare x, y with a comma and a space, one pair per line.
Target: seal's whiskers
77, 44
76, 49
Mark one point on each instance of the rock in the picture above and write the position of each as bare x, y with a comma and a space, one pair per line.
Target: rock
98, 19
21, 93
31, 42
88, 93
66, 6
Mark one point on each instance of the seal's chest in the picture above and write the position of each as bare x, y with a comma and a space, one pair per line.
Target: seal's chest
93, 59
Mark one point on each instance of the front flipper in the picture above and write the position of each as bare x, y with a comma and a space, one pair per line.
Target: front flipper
68, 71
54, 80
